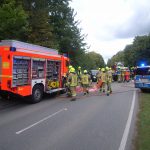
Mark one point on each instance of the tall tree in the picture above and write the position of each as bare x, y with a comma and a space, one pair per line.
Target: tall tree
141, 47
40, 31
119, 57
65, 28
93, 60
136, 53
13, 21
129, 56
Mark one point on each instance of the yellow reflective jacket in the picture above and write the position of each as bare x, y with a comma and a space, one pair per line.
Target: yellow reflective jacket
72, 79
103, 77
109, 76
85, 79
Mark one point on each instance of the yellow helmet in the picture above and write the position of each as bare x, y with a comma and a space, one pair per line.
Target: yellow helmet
107, 68
72, 70
103, 69
79, 67
70, 67
99, 68
85, 71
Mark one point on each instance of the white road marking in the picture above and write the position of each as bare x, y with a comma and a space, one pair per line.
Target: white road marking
36, 123
128, 124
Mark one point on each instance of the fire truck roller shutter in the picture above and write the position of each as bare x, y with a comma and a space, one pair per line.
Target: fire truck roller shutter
37, 93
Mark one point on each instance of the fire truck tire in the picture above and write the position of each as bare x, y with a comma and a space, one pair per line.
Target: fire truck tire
37, 94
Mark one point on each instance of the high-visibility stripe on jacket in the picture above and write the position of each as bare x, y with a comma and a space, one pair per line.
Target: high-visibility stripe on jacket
85, 79
72, 79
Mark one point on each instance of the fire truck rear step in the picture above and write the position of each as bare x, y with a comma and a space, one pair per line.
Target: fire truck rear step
55, 90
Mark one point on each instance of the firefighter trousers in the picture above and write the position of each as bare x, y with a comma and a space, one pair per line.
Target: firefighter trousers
102, 88
119, 78
73, 91
109, 89
85, 88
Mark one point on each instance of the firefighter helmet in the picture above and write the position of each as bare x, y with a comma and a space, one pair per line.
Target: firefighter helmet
107, 68
70, 67
103, 69
72, 70
85, 71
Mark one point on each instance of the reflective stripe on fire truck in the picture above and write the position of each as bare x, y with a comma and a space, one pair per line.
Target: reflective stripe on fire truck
6, 49
5, 76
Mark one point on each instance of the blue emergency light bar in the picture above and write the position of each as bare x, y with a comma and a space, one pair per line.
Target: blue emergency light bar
13, 49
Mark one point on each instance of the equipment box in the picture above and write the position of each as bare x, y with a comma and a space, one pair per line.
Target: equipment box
20, 71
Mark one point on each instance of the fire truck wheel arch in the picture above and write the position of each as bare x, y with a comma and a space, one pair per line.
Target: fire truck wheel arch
37, 93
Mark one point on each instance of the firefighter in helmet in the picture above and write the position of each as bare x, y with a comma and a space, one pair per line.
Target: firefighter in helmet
98, 75
85, 81
119, 74
123, 74
79, 72
69, 67
72, 83
103, 78
108, 80
65, 79
99, 71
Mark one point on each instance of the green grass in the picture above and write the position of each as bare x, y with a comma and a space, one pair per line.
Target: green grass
143, 125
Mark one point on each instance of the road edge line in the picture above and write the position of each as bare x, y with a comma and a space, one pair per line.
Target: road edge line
128, 124
40, 121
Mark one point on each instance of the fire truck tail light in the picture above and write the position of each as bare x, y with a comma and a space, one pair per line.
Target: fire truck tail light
13, 49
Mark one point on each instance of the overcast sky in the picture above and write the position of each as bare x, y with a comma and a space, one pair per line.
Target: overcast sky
112, 24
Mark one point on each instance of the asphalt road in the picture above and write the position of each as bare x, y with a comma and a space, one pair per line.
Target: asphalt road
94, 122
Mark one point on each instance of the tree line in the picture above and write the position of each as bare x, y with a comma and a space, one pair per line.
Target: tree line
134, 54
49, 23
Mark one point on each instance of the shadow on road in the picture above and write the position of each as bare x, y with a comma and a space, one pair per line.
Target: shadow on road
21, 102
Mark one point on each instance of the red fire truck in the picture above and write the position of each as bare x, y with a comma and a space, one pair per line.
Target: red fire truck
30, 70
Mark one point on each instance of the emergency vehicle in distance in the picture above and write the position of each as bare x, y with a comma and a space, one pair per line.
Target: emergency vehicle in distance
30, 70
116, 70
142, 78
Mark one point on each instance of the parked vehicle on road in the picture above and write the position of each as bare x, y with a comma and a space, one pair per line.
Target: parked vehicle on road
93, 74
30, 70
142, 78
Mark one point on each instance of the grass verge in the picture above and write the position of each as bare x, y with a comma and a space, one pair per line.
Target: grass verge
143, 124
